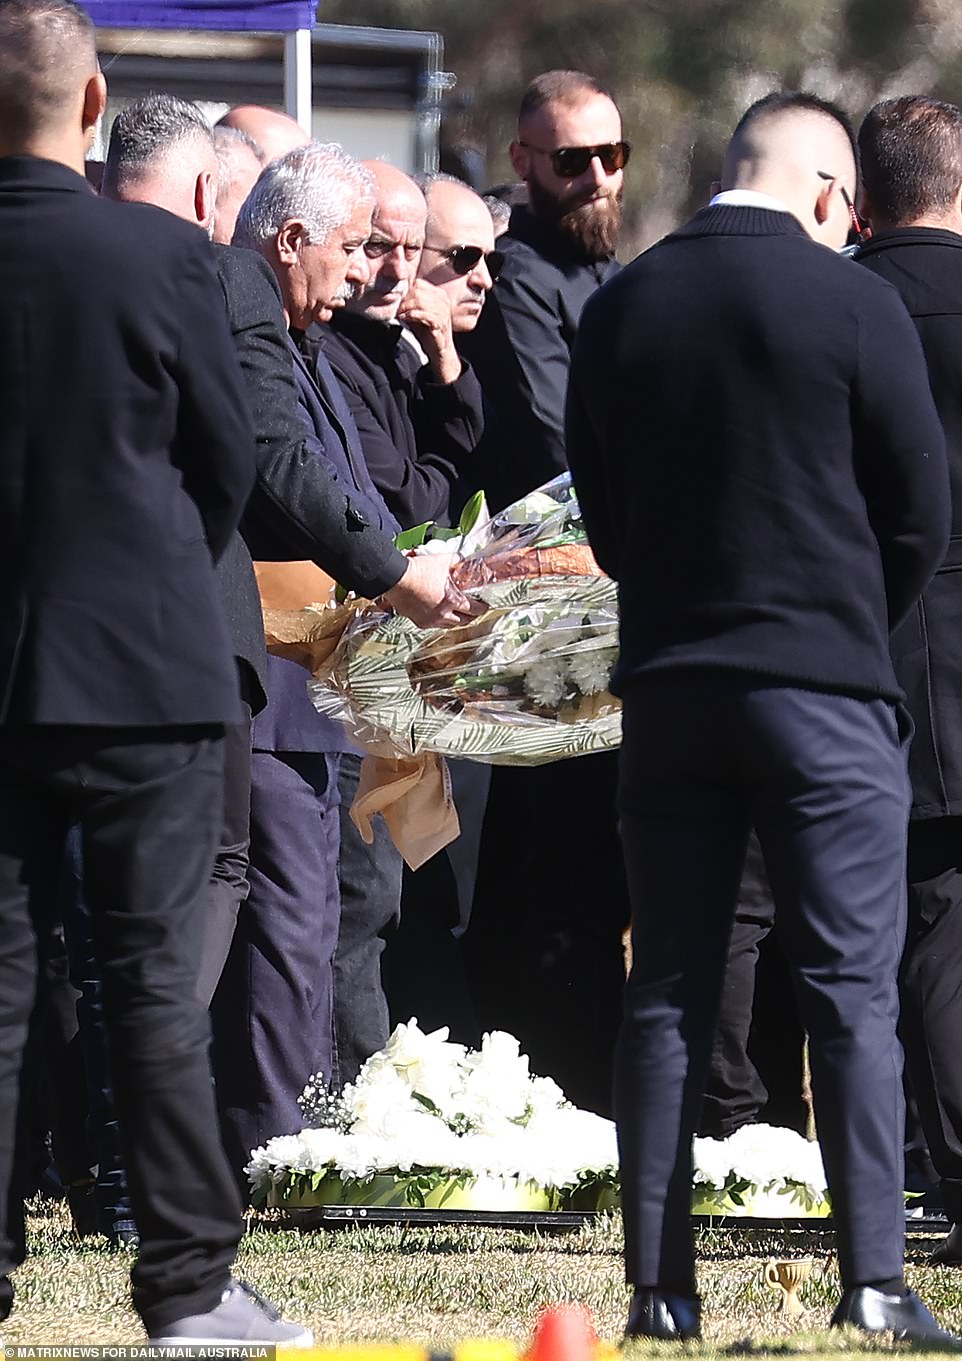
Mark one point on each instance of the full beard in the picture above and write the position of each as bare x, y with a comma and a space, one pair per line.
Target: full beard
592, 227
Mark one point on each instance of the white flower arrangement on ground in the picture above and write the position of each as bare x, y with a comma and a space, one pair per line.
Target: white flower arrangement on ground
760, 1170
436, 1118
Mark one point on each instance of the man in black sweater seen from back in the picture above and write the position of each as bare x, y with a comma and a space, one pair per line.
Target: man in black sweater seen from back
762, 469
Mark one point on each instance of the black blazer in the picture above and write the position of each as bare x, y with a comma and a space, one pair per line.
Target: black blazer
298, 508
419, 436
925, 265
290, 721
125, 460
760, 463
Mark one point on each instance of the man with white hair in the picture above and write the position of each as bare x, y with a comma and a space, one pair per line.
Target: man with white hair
299, 509
309, 216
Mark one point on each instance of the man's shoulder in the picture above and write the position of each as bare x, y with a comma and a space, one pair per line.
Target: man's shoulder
240, 267
248, 284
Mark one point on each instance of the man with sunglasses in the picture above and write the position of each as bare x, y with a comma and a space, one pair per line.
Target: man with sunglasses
541, 965
459, 255
762, 470
911, 153
558, 249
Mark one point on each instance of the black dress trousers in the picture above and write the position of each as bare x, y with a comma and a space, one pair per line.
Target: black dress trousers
823, 778
931, 987
148, 802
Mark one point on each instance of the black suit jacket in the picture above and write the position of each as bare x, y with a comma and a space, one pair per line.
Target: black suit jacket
419, 436
298, 509
125, 460
290, 722
760, 463
925, 265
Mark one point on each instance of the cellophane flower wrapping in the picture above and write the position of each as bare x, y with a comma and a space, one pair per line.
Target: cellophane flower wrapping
522, 684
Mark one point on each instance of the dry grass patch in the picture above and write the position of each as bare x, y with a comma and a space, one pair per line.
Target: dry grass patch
439, 1286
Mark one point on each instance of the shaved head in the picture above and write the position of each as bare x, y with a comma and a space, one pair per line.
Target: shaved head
458, 218
275, 133
47, 58
799, 149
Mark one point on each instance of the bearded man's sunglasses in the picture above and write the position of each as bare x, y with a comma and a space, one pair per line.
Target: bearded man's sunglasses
463, 259
570, 162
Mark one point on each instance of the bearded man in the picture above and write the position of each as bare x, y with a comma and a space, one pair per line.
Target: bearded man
558, 250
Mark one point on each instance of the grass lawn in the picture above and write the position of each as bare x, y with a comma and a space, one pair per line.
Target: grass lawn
440, 1286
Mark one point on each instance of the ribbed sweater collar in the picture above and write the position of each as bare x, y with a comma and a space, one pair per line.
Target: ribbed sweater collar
729, 219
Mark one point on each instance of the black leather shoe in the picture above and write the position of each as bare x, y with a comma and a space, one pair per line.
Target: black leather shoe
655, 1313
904, 1315
949, 1251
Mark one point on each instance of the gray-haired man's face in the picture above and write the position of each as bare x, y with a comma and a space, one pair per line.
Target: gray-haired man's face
328, 273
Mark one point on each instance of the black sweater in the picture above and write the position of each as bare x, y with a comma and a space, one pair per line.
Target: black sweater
759, 460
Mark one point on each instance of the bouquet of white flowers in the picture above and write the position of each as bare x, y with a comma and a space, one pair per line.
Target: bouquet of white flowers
524, 683
431, 1123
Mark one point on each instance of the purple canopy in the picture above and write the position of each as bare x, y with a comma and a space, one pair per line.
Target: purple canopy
273, 16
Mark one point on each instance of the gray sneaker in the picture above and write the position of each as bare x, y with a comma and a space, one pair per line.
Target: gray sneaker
243, 1315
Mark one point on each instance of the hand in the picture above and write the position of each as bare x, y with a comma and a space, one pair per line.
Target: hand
427, 311
427, 595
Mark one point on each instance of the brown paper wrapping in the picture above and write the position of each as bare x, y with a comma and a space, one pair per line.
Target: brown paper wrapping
291, 585
412, 793
413, 796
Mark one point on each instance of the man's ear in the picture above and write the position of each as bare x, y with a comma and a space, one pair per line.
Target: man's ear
205, 198
956, 208
823, 204
290, 239
520, 160
94, 104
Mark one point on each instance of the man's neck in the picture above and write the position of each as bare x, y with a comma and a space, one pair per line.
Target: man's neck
66, 151
946, 222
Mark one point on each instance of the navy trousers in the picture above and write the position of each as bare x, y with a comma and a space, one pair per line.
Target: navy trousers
370, 889
823, 778
272, 1012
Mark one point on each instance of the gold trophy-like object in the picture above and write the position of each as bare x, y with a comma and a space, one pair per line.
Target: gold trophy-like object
788, 1277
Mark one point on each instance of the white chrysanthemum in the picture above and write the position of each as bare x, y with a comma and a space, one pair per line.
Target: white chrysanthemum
764, 1155
544, 682
590, 670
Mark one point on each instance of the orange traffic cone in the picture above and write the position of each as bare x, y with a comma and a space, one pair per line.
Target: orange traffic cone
564, 1332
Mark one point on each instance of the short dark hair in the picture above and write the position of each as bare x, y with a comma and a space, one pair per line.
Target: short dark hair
911, 150
47, 49
801, 101
559, 87
147, 129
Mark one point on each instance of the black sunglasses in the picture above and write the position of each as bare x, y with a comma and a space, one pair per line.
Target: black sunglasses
463, 259
859, 231
569, 162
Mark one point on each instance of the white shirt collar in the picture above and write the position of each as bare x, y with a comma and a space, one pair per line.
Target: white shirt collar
748, 198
